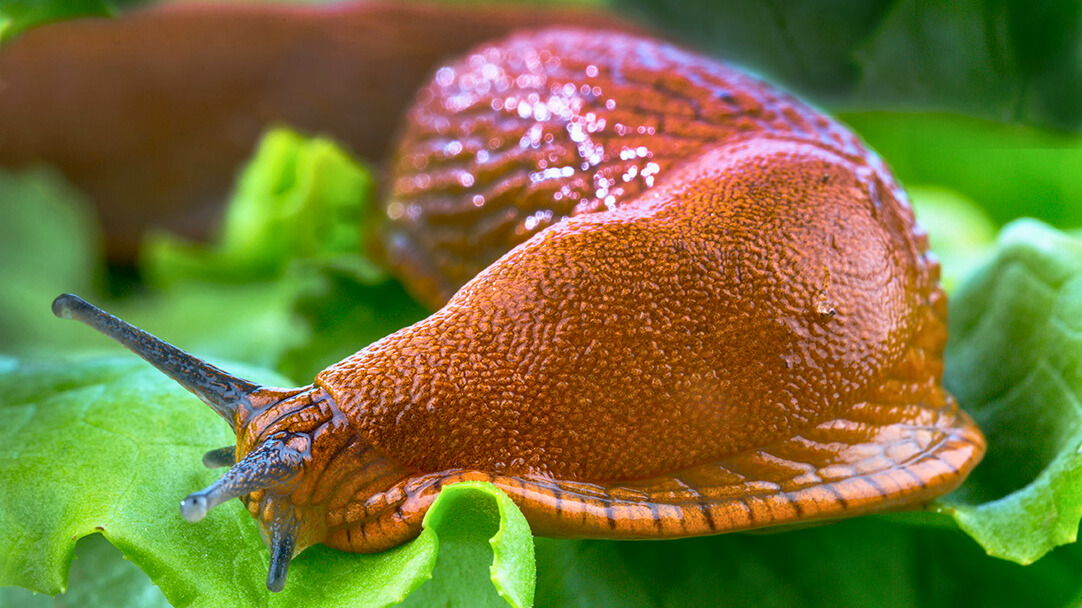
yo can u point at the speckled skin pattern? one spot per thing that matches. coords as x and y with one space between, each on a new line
523 133
713 311
683 326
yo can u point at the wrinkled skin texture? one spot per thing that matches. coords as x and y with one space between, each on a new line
682 306
719 314
523 133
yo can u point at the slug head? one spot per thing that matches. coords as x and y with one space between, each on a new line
275 430
273 455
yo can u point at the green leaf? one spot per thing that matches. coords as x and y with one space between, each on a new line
1015 362
99 576
865 562
465 516
1000 60
253 323
785 42
342 313
1006 61
296 198
83 452
1011 171
17 16
49 243
286 284
960 234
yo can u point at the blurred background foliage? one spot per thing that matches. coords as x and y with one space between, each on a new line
1005 60
977 107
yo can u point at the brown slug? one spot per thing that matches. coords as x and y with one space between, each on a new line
683 303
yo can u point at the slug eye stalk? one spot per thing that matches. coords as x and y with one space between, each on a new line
224 393
276 462
222 457
268 469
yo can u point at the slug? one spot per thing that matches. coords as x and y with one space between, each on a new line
673 301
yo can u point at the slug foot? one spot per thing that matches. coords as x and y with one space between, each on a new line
880 457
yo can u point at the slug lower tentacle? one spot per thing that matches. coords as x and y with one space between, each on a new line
672 301
222 457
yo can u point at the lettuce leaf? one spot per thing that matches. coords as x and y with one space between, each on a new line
298 198
959 233
49 243
868 562
287 283
1015 362
83 452
1002 61
99 576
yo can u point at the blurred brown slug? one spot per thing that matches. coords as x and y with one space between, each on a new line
674 301
151 113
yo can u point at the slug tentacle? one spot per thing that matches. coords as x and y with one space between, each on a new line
275 430
222 457
224 393
272 465
282 543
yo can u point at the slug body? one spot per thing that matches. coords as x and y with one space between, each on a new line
691 305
